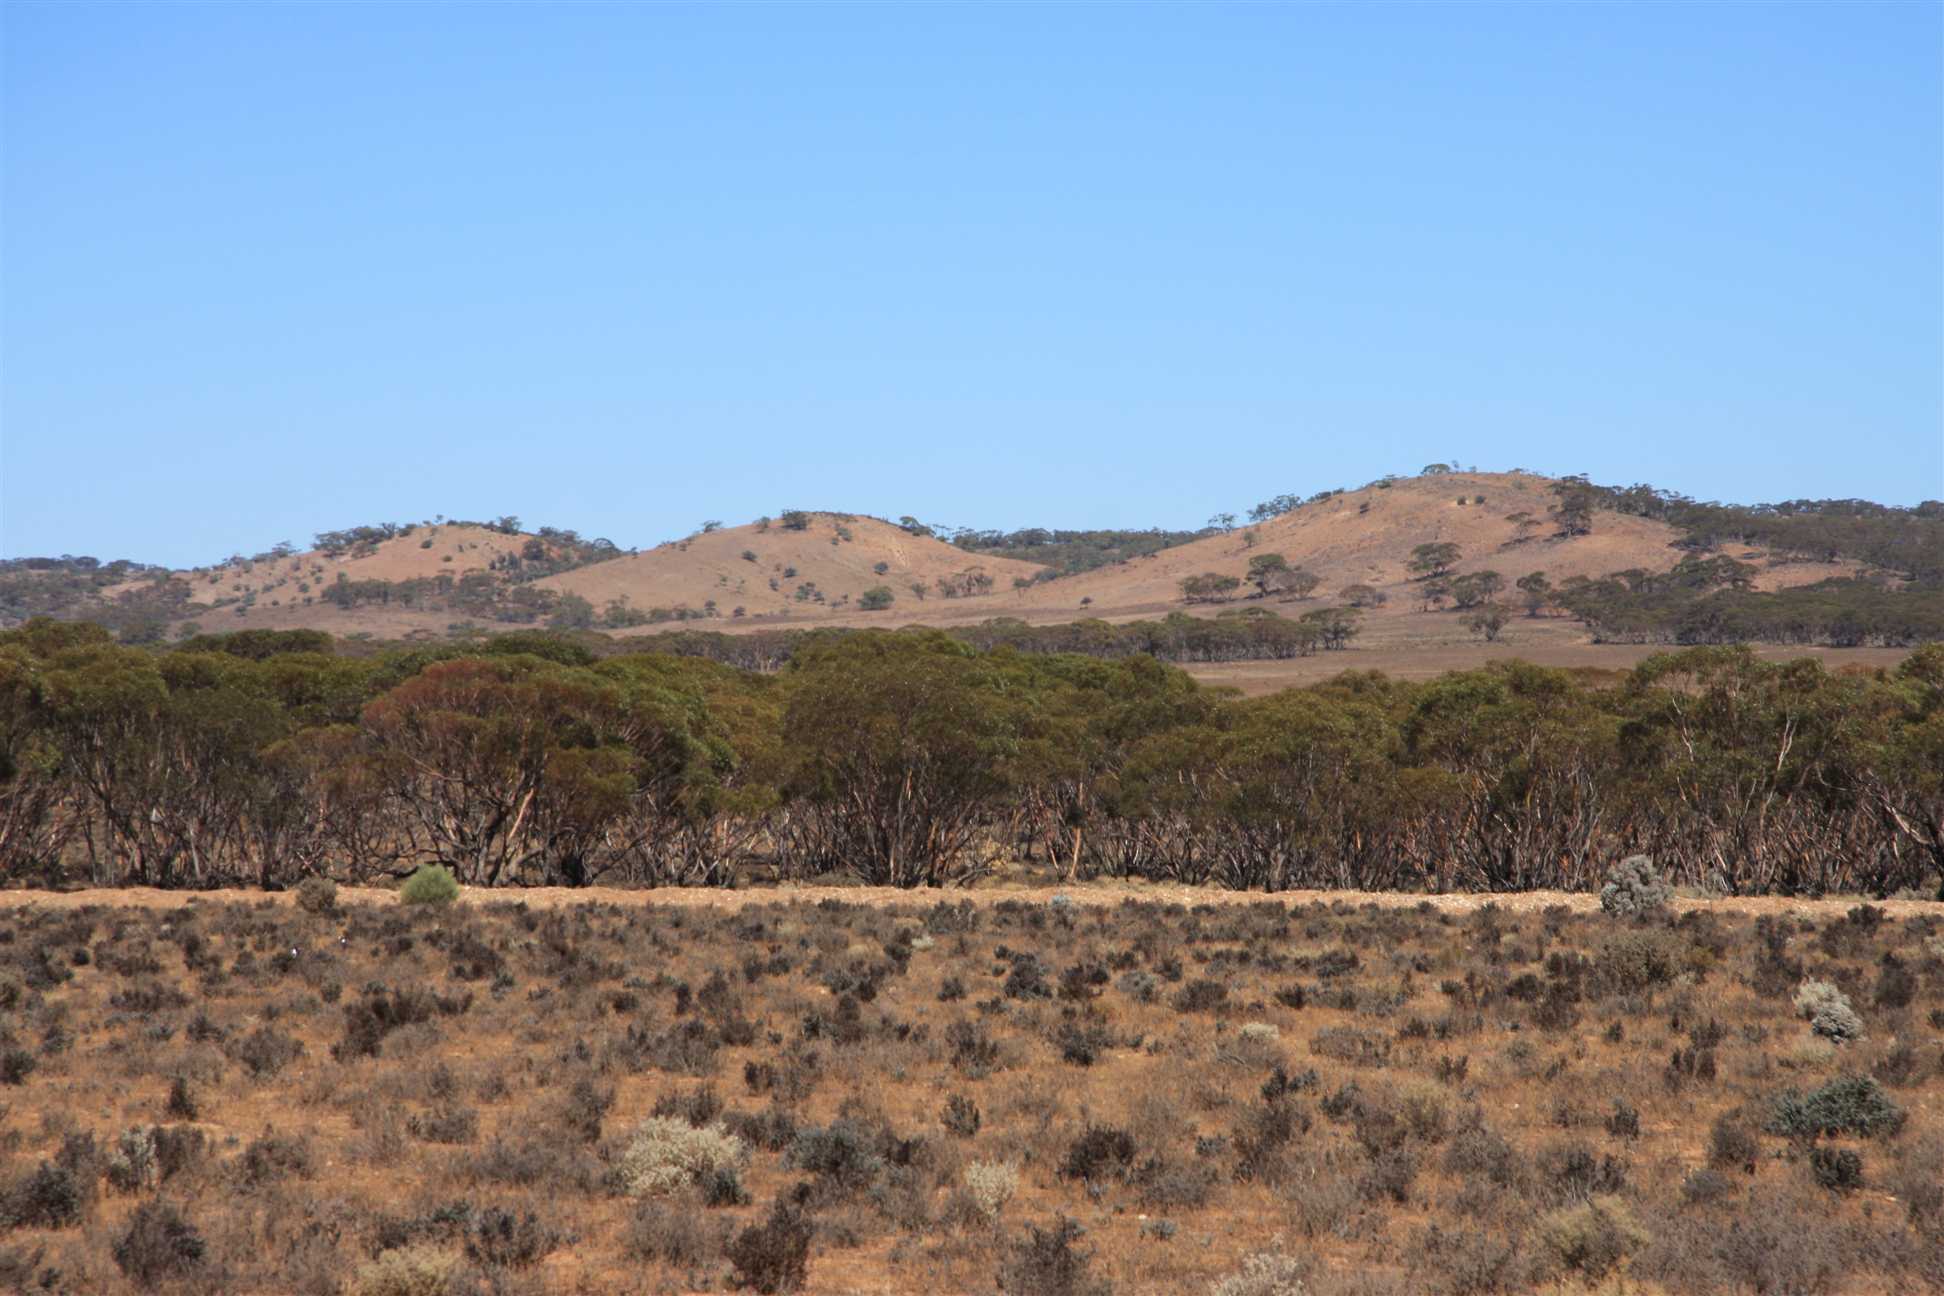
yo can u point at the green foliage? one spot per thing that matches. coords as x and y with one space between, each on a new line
1068 553
921 757
1847 1105
430 884
1209 587
1433 558
876 599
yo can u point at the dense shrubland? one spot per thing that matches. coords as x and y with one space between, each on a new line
912 758
1040 1099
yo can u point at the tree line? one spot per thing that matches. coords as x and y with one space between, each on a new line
914 758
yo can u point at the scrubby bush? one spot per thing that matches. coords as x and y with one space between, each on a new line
317 895
1837 1169
1201 996
1634 889
961 1116
16 1064
51 1197
182 1100
1635 961
665 1155
773 1256
844 1154
132 1166
509 1240
158 1244
1593 1236
1046 1263
264 1052
451 1126
430 884
1846 1105
1828 1011
407 1271
1100 1151
1731 1146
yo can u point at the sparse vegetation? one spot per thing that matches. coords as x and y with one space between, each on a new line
797 1119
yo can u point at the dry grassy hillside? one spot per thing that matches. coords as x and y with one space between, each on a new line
1366 537
819 574
425 553
771 571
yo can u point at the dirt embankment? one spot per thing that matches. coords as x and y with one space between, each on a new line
1087 893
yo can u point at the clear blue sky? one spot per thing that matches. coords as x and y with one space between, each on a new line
275 268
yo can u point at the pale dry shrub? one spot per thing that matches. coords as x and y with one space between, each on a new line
1266 1273
1828 1011
990 1185
666 1155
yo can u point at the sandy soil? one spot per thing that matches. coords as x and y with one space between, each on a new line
1088 893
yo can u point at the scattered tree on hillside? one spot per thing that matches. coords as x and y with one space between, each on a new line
1433 559
1222 522
1363 596
1276 507
794 520
1336 626
1487 621
1537 590
875 599
572 613
912 526
965 584
1263 566
1524 524
1209 587
1573 515
1476 588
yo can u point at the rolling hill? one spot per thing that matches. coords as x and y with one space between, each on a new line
823 568
773 571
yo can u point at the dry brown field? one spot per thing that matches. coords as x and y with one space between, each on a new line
1112 1088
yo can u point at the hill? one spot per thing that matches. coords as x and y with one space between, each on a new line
1502 522
801 565
1622 565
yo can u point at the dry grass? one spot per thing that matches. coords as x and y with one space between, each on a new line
1363 536
1385 1098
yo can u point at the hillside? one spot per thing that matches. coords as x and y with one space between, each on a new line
423 553
771 570
1366 536
809 569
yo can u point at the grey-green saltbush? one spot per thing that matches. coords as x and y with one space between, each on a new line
1634 888
1828 1010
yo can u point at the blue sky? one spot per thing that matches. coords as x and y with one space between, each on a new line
272 269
